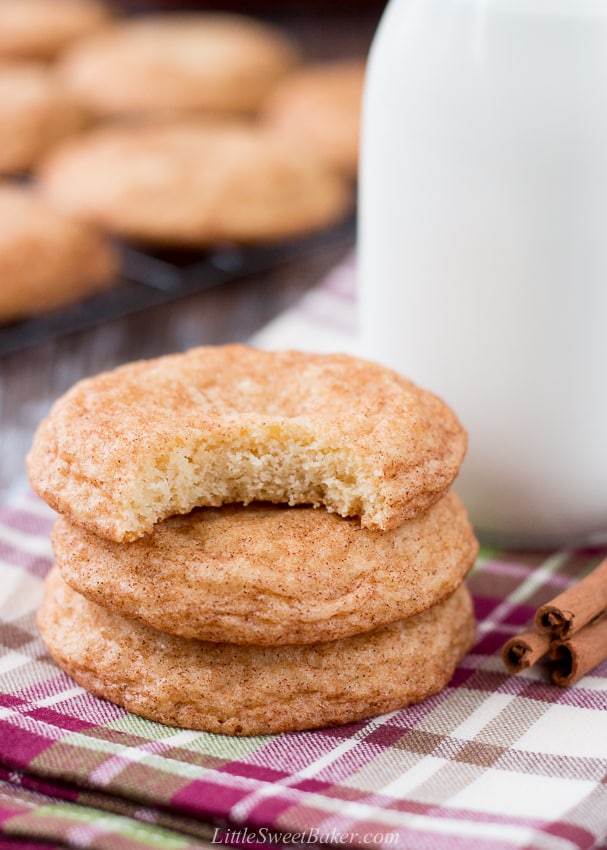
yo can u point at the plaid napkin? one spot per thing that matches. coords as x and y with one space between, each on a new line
493 762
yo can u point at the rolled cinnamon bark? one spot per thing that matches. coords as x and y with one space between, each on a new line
570 611
524 650
577 655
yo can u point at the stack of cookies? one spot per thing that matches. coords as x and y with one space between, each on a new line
254 542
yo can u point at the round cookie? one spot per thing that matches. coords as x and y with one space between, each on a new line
219 424
320 104
269 575
194 184
35 114
176 63
40 29
249 690
46 259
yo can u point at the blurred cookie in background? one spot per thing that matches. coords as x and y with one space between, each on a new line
47 260
179 63
35 114
41 29
320 104
194 184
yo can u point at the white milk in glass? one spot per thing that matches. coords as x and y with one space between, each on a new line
483 245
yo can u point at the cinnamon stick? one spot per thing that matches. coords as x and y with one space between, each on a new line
577 655
570 611
524 650
572 627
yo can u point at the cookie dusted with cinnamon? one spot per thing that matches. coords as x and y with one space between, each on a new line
36 113
217 424
250 690
195 183
41 29
47 260
207 62
320 104
269 574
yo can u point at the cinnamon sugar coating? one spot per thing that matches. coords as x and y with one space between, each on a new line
178 63
195 183
218 424
47 260
254 690
41 29
270 575
321 104
35 115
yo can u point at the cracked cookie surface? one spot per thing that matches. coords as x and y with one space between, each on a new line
218 424
270 575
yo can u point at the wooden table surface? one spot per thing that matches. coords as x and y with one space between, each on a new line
30 380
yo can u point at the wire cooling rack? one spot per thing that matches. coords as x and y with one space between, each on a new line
151 279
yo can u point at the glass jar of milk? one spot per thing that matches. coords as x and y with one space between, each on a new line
483 245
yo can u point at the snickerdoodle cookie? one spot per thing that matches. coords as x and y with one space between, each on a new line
35 114
174 63
40 29
218 424
320 104
250 690
47 260
270 575
194 184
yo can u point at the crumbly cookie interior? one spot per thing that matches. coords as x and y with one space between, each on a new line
252 466
128 448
